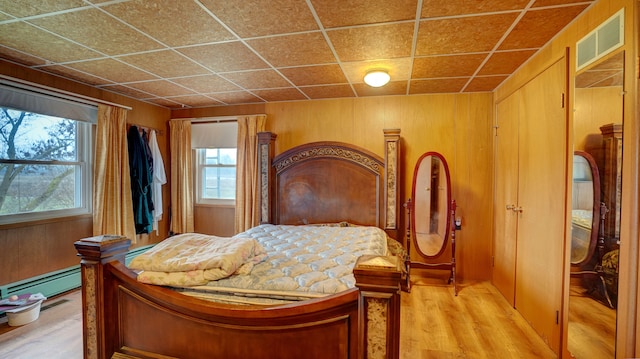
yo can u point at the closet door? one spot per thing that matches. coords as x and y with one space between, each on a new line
506 184
541 198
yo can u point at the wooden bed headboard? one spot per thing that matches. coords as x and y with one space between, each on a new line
329 182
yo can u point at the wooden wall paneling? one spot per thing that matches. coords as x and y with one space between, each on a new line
25 246
447 123
9 259
474 136
215 220
33 250
592 107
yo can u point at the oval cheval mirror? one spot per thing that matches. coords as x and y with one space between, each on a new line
432 215
585 208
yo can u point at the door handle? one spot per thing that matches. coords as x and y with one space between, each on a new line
518 209
511 207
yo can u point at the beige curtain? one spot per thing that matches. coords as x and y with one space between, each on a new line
112 203
181 177
248 171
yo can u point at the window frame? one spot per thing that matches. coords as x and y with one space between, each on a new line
199 156
84 150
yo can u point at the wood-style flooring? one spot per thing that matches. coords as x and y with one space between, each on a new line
478 323
592 326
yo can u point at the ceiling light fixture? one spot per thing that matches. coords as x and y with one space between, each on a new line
377 78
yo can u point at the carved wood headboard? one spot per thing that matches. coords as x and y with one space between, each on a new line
329 182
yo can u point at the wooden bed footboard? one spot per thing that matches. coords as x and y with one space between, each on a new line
123 318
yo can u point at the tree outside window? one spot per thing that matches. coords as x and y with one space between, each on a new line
43 163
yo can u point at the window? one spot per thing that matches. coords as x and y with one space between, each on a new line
214 141
44 166
216 175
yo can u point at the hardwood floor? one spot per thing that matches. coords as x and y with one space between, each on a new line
478 323
57 333
592 326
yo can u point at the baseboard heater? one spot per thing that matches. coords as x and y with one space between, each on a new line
57 282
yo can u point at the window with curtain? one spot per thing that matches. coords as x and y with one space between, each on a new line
214 147
45 156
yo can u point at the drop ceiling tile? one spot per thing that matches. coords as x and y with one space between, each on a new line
98 31
462 35
373 42
484 83
501 63
252 18
235 98
437 85
68 72
544 3
206 84
392 88
288 94
195 100
338 13
164 102
164 21
330 91
127 91
529 34
110 69
32 7
446 66
260 79
165 63
440 8
294 50
398 69
26 38
230 56
20 57
161 88
315 75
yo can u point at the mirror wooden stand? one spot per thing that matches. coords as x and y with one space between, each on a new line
431 217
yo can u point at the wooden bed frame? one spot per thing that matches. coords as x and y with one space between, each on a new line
313 183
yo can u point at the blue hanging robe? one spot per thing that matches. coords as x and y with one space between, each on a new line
141 181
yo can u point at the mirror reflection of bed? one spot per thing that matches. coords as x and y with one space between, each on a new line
585 209
595 213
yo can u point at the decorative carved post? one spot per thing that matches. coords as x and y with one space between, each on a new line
379 279
392 192
94 253
265 155
612 178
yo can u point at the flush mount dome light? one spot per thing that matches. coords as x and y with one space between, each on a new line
376 78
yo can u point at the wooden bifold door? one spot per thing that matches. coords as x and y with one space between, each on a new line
530 203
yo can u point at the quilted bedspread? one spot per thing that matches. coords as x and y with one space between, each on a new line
311 258
194 259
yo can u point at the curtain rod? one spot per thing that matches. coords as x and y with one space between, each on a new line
57 92
159 131
203 120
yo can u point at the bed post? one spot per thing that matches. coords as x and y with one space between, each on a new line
265 155
391 175
95 252
379 280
